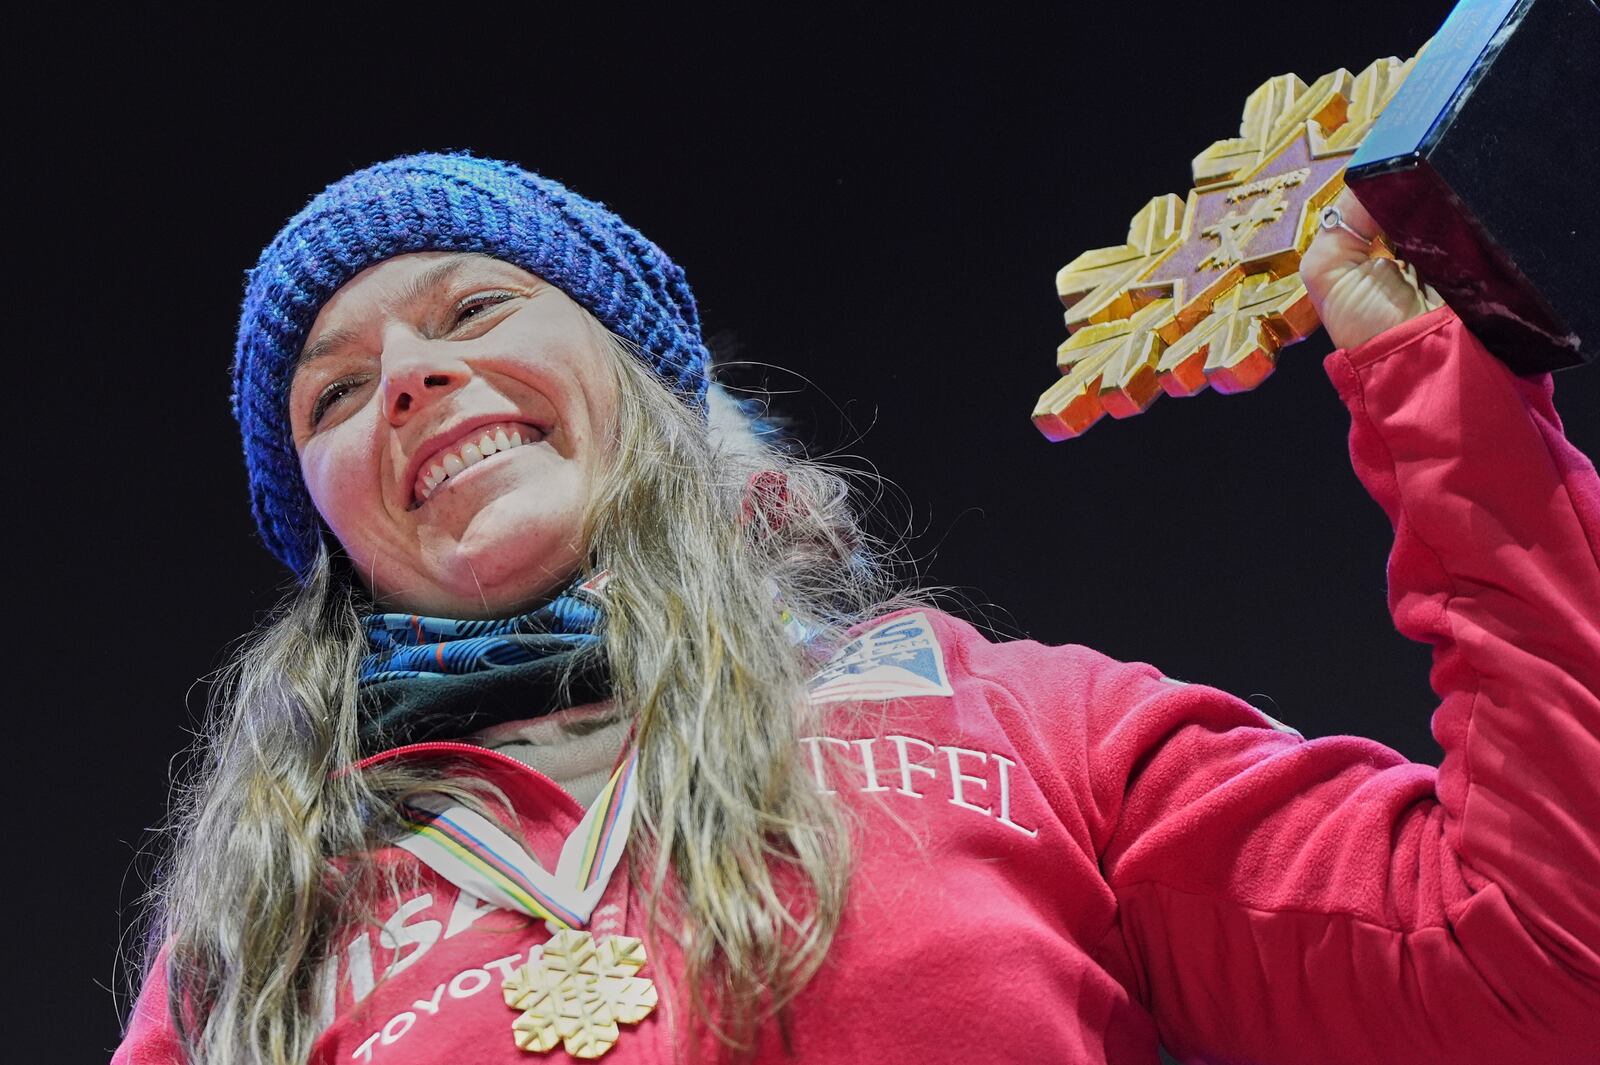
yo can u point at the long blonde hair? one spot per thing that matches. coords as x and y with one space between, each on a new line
743 863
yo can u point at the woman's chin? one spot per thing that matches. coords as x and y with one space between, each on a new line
486 577
482 554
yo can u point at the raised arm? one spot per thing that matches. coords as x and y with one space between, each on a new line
1328 901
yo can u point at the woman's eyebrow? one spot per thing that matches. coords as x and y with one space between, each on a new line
414 291
422 285
329 342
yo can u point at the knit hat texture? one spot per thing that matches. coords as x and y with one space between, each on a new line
437 202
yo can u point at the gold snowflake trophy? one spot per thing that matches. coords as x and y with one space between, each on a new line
1206 289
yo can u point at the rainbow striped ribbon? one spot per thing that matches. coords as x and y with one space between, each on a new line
477 856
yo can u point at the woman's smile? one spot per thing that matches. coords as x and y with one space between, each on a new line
465 449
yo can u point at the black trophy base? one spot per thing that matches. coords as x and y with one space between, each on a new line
1497 204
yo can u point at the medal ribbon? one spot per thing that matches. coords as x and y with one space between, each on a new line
466 848
477 856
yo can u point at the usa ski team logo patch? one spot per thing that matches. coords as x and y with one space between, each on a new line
897 658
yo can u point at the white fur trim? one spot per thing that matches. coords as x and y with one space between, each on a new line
730 427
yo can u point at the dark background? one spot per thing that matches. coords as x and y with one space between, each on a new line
879 206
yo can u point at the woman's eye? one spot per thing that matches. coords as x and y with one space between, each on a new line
335 391
473 305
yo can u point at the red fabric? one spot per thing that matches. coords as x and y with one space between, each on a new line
1068 858
766 495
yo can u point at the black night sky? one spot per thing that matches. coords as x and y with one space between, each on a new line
876 207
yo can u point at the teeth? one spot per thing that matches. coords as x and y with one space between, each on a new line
473 453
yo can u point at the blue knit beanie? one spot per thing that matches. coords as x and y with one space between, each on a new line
437 202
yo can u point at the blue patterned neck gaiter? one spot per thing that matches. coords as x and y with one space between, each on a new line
442 678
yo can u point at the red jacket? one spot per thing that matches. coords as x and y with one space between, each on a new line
1064 858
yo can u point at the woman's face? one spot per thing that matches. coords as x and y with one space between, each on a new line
452 414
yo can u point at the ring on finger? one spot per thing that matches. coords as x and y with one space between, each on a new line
1333 218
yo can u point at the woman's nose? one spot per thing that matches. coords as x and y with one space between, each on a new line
416 373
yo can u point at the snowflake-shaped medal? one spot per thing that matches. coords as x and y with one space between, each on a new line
577 992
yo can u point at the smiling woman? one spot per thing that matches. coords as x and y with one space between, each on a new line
471 430
597 725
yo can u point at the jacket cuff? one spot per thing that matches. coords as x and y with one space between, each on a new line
1391 340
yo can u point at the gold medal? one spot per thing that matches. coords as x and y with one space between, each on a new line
577 992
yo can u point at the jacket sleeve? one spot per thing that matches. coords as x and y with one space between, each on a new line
150 1038
1288 901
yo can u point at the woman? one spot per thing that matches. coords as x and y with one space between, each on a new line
597 727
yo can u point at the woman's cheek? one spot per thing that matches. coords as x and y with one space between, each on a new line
335 483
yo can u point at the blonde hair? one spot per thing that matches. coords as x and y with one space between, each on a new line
744 865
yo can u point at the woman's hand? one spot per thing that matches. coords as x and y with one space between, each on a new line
1357 294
